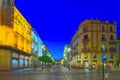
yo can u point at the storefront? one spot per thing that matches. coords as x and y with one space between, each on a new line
26 61
86 64
15 61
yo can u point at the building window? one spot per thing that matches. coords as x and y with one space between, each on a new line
111 37
85 37
103 29
103 37
103 47
119 47
94 55
85 29
111 56
111 29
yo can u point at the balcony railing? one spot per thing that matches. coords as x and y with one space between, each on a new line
112 49
85 49
104 50
2 46
104 39
86 39
112 41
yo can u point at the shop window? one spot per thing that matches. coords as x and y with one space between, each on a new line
21 62
14 63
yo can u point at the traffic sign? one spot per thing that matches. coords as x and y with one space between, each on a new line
104 57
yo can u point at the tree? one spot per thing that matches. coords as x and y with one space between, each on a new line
46 58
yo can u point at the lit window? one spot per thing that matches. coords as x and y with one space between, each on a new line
103 47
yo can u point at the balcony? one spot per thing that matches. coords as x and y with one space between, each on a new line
112 49
7 47
104 50
113 41
85 49
85 40
104 40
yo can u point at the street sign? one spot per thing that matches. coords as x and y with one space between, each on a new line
104 57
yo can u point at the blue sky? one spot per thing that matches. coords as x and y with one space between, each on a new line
56 21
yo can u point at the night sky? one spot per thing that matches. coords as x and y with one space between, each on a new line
56 21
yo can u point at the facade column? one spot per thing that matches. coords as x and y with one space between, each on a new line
90 61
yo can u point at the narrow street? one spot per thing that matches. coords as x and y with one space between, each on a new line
57 72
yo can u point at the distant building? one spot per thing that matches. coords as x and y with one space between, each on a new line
93 39
66 55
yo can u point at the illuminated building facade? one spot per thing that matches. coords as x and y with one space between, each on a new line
36 48
66 55
93 39
15 38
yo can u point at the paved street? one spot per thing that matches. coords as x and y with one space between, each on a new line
58 72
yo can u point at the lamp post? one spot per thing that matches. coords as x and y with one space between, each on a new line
104 57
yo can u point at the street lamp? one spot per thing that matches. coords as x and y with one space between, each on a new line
104 57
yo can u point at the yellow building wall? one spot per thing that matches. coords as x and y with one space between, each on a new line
22 30
5 60
6 35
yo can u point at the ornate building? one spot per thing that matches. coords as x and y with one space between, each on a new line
93 39
15 38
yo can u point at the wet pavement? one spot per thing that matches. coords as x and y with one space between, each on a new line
58 72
